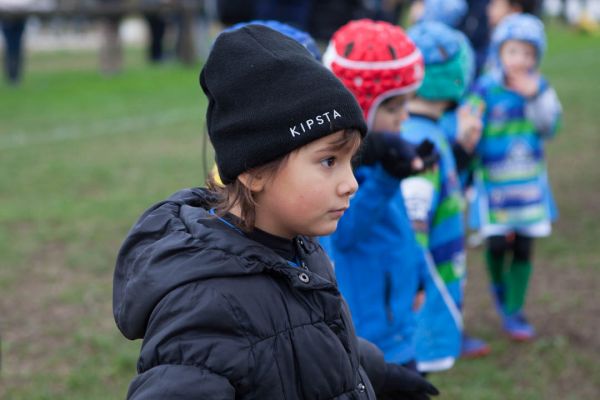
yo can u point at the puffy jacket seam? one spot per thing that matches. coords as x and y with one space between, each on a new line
245 334
288 330
201 367
238 320
337 396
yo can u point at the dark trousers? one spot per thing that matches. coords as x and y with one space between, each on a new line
13 53
521 247
158 27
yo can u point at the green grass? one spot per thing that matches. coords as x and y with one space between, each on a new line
82 155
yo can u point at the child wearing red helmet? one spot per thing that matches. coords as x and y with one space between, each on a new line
379 264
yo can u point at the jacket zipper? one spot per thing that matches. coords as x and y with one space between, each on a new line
299 250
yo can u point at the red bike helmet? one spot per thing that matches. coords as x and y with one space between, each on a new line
375 60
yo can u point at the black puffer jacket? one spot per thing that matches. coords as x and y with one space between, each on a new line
224 317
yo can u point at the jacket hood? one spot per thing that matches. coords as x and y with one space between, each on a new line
175 242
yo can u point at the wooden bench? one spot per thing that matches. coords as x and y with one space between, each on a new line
110 15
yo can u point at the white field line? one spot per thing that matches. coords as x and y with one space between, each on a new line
14 140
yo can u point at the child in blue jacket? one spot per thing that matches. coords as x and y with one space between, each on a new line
434 200
514 203
452 13
377 261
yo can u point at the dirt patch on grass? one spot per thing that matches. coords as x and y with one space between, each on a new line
36 325
562 304
560 300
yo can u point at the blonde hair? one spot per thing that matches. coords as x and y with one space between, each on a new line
236 193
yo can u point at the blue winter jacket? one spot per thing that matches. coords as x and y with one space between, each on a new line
378 264
513 190
435 205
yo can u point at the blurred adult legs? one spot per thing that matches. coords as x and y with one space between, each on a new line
13 54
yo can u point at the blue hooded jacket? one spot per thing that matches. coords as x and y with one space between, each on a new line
379 264
434 201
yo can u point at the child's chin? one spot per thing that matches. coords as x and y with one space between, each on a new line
327 230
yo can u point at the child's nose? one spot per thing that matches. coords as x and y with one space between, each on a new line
404 114
348 185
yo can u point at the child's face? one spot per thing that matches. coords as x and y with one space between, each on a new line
497 10
416 11
518 57
310 192
390 114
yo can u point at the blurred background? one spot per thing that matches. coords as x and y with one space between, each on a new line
101 115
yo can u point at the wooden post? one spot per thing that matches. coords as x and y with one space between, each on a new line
186 50
111 50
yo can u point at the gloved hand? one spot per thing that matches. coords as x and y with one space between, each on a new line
427 152
395 154
401 383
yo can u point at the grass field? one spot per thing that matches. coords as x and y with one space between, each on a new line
82 155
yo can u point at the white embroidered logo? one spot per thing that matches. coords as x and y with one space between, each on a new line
320 119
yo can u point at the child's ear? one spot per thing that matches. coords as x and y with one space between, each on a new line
253 181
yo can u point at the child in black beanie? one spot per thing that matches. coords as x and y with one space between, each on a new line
232 296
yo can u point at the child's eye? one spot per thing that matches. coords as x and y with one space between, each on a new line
328 162
391 108
395 108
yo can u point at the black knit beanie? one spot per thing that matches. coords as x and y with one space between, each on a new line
268 96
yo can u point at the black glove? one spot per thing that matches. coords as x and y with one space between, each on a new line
394 153
401 383
427 152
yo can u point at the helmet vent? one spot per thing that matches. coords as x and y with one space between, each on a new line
349 48
392 51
